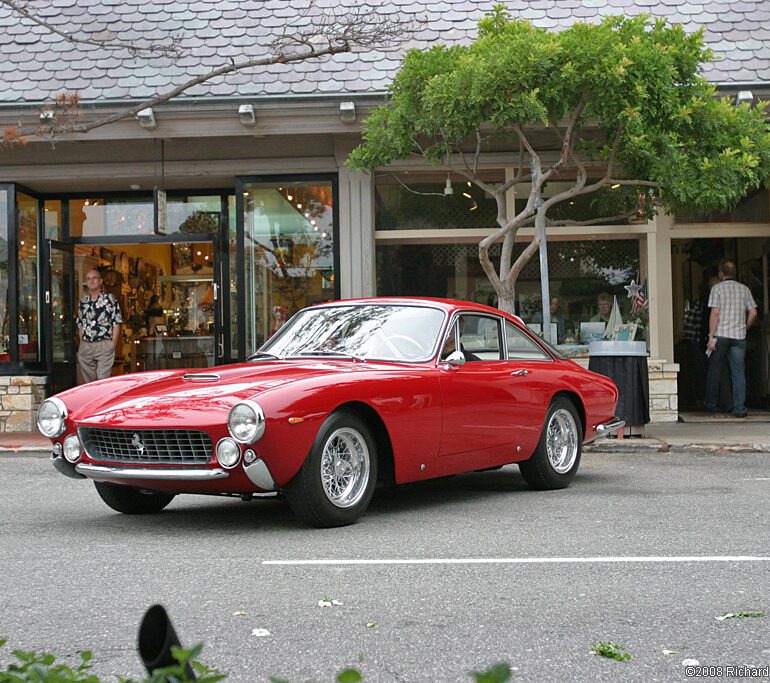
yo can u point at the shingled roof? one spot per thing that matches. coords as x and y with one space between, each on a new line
36 63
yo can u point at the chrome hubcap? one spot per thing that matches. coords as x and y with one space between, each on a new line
345 467
562 441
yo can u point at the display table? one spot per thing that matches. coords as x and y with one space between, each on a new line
168 353
626 364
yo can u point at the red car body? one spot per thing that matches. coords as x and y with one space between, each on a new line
427 418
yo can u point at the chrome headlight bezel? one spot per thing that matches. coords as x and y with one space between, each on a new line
230 443
65 446
246 422
58 404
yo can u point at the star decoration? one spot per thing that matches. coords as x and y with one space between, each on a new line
633 289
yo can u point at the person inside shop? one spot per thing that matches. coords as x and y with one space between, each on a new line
604 304
154 315
556 317
733 310
693 353
98 321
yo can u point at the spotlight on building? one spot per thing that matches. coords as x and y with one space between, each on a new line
744 97
246 115
146 118
47 116
347 112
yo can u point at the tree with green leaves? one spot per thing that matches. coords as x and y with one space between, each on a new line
620 105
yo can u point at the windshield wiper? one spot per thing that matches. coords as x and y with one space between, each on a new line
338 354
262 354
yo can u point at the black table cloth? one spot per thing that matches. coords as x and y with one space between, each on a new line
632 379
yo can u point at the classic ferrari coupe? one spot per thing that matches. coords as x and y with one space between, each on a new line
346 395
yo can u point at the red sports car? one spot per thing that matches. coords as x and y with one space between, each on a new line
347 394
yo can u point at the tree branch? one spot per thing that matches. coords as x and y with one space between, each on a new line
595 221
328 34
171 49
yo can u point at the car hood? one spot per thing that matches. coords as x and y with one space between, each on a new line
194 397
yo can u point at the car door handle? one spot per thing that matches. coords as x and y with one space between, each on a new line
520 373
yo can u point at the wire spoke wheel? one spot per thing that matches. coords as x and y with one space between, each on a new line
562 441
345 464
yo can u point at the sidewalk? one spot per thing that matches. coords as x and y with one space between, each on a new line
716 435
723 436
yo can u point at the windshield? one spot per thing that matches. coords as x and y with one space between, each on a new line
398 333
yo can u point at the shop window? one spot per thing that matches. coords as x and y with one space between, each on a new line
584 275
754 208
418 201
194 214
52 217
100 217
27 278
232 250
127 216
5 198
289 235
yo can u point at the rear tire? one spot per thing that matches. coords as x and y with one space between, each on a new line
556 459
336 482
131 501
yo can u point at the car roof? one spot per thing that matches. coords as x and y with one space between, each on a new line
448 305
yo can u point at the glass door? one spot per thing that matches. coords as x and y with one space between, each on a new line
59 307
176 322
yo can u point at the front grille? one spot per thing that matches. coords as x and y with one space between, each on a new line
143 446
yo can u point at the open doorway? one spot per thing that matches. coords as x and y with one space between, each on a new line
168 297
694 263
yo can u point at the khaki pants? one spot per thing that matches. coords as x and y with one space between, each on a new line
95 359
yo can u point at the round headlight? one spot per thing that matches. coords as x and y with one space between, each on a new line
246 422
72 449
228 453
50 417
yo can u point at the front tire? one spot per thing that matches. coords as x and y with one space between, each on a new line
336 482
556 459
131 501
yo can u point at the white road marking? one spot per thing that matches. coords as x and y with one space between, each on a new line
531 560
757 479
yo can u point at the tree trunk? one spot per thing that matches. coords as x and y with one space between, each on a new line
506 301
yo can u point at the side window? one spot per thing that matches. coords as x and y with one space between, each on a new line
480 337
521 347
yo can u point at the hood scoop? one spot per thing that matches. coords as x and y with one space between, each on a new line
201 377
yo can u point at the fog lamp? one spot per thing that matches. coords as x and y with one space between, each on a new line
228 452
72 449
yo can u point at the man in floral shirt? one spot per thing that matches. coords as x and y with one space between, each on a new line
99 323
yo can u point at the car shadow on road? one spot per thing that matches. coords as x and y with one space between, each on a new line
205 514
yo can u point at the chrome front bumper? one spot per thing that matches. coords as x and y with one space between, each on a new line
609 427
111 473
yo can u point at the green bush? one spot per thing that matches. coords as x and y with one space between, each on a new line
33 667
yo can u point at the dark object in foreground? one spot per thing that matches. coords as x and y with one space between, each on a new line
156 638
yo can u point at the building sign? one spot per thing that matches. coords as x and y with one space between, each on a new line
161 211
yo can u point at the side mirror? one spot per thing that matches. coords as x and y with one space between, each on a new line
455 359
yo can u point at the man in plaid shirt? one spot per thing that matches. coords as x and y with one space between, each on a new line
733 310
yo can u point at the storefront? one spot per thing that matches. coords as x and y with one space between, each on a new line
225 271
233 264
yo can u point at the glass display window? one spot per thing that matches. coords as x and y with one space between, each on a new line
289 249
586 278
27 278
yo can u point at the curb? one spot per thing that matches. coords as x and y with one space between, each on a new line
27 451
627 445
631 445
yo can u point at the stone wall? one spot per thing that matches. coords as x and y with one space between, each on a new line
664 405
664 402
19 400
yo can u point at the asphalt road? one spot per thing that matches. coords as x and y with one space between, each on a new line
75 575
